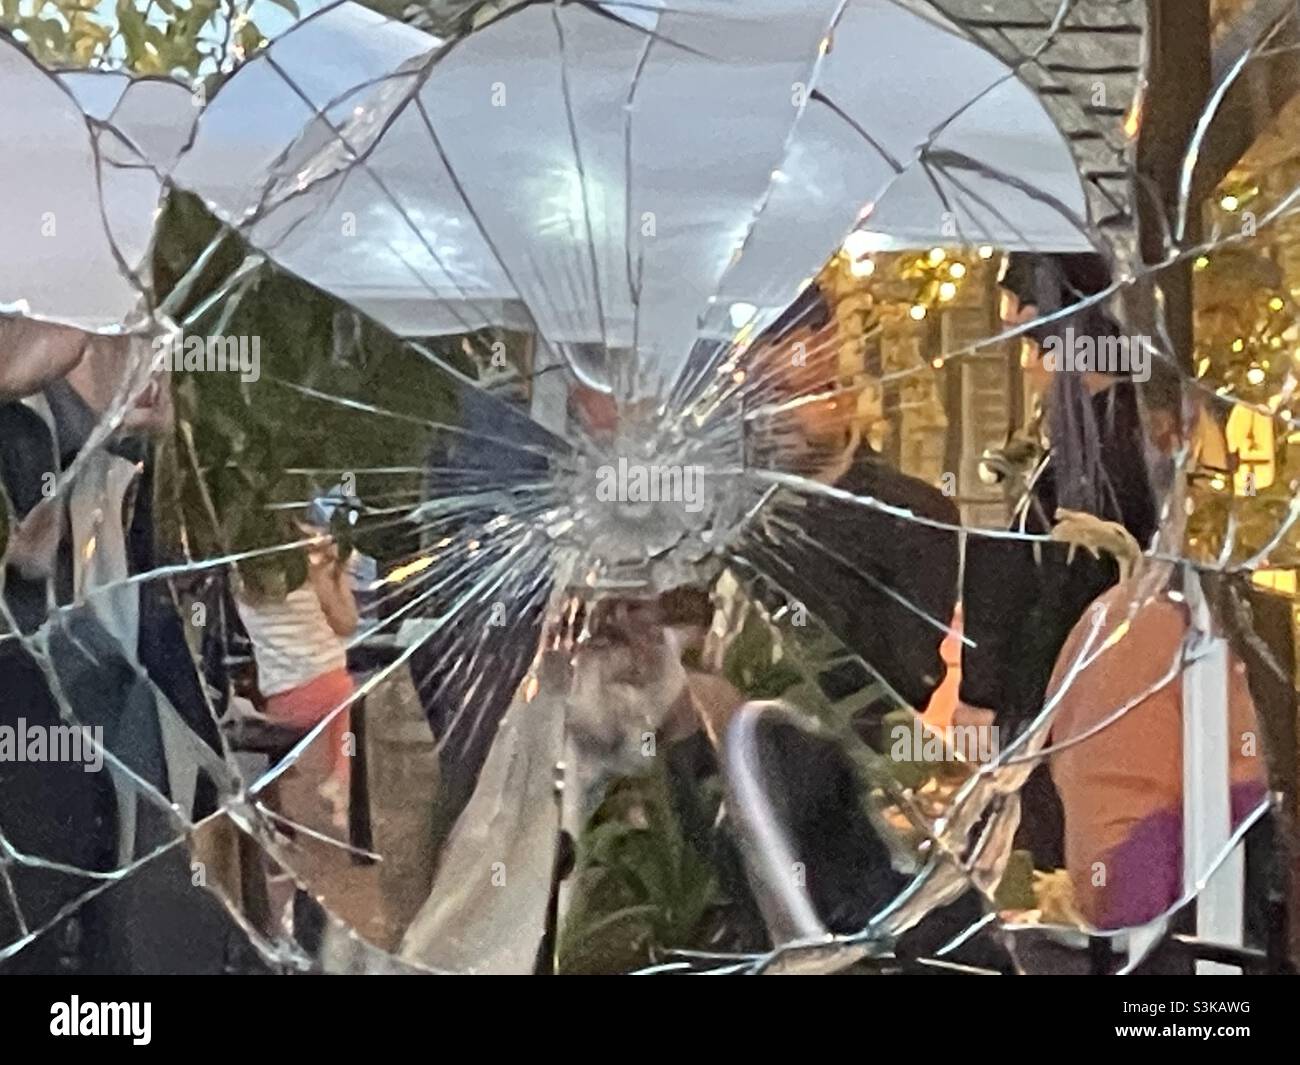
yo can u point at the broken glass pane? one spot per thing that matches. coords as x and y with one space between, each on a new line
606 487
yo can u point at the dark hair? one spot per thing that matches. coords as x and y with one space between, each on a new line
1051 282
1055 282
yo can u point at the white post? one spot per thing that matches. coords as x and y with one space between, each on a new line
1207 807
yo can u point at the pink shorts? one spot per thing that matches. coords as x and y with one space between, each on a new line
307 705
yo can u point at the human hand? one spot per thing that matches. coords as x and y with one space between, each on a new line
965 714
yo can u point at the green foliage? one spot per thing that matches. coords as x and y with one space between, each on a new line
1015 890
641 888
239 442
751 666
186 38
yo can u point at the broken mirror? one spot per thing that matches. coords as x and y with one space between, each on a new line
608 487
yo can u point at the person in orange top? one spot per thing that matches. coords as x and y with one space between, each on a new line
1122 787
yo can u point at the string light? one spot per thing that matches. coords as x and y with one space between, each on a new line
857 244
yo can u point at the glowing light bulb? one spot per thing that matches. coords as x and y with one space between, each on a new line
957 270
947 291
857 244
862 267
1238 345
1275 304
1255 375
986 251
937 255
1202 262
917 312
1230 202
741 313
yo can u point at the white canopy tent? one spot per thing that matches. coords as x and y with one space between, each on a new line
86 154
624 185
604 181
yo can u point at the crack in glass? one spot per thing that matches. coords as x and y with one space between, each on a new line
608 487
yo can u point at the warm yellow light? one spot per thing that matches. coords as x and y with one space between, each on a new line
937 255
1249 435
1255 375
1279 580
1238 345
1201 263
1133 119
957 270
1218 484
986 251
917 312
937 362
947 291
862 267
400 573
1230 202
1275 304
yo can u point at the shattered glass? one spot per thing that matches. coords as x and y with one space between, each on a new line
583 487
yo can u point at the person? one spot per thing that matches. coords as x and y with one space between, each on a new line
1120 778
119 652
302 673
884 583
881 576
1021 599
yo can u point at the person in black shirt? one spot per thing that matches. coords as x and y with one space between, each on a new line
1021 599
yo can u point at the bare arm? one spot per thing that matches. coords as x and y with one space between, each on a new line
329 577
32 354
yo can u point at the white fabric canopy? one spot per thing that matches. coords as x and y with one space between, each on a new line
609 181
616 187
76 223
